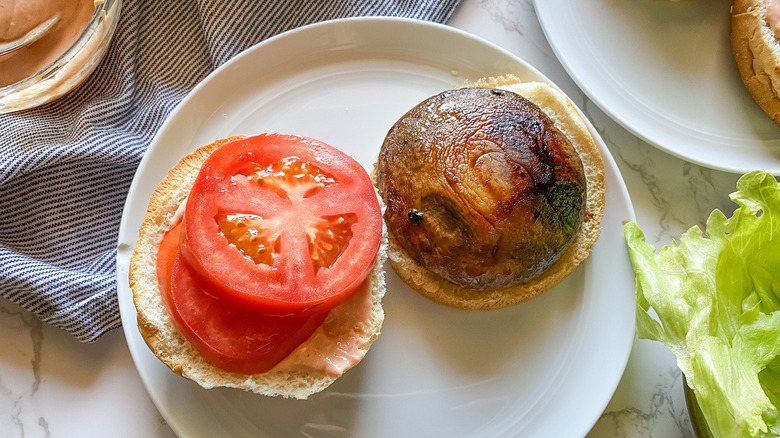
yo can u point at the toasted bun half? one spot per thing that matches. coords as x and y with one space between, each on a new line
566 119
757 54
290 378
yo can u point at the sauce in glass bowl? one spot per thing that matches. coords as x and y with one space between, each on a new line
62 57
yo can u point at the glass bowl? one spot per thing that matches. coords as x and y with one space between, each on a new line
71 68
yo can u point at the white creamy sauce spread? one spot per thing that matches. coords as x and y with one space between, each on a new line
334 348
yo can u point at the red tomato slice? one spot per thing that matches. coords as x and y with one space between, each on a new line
282 224
166 258
232 339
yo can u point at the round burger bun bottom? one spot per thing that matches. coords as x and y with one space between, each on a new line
169 344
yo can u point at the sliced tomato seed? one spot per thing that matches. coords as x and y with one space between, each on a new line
256 238
291 178
328 237
259 239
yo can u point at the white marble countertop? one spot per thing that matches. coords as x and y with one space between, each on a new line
52 385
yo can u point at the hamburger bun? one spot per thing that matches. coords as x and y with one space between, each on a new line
757 54
289 378
474 296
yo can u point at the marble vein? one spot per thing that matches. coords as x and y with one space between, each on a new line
17 394
662 417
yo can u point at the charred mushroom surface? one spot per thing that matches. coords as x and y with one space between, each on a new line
480 187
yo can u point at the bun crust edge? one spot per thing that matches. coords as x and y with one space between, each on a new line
757 54
169 344
567 119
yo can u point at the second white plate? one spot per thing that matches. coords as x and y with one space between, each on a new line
544 368
665 71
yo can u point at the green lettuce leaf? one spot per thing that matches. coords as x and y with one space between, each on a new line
714 301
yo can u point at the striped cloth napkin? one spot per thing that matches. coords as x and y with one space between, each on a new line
65 168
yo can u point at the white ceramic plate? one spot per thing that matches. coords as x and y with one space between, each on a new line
665 71
544 368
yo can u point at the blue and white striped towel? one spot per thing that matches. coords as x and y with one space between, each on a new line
65 168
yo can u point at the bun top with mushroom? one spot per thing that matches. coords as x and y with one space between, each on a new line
492 197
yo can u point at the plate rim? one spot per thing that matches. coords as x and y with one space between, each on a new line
544 12
123 261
